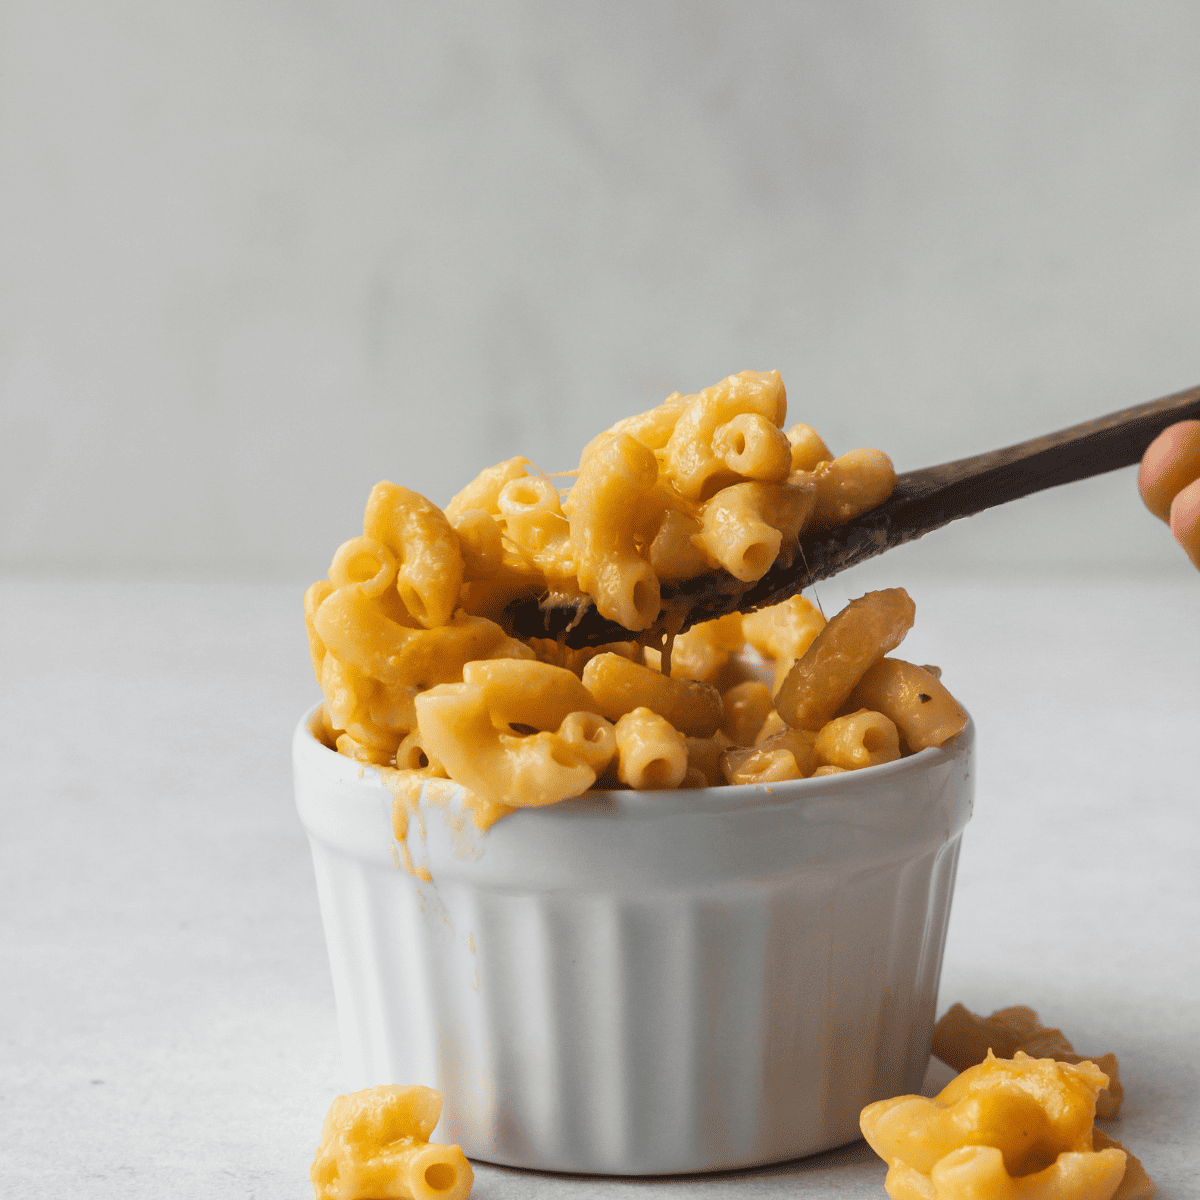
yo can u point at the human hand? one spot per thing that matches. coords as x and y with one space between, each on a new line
1169 481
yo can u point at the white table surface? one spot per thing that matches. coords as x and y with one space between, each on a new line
166 1014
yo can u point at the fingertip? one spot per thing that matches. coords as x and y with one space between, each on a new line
1185 520
1171 461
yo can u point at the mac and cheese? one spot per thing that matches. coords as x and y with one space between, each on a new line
1006 1128
375 1143
410 641
961 1039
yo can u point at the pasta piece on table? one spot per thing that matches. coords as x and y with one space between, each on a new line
1135 1183
961 1039
375 1144
1018 1129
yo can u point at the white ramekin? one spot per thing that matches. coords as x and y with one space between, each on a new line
643 983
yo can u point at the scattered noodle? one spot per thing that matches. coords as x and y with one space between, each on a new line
1005 1128
375 1143
961 1039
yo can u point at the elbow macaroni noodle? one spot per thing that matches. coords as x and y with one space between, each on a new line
961 1040
376 1143
421 677
1012 1129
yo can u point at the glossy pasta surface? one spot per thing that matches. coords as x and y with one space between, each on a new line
411 645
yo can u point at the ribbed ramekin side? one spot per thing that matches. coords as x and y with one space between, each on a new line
549 1025
503 1027
919 915
848 1002
600 1011
928 971
887 936
335 894
735 1012
380 959
649 1034
579 1050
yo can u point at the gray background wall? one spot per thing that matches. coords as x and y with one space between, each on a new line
256 255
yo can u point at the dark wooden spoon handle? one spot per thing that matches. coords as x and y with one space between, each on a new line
922 501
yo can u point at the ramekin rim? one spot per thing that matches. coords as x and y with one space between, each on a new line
658 804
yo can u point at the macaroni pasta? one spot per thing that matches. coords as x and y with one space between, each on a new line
376 1143
410 643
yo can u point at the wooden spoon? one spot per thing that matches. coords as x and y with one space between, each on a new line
922 501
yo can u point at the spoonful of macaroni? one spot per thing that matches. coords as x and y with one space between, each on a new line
723 483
